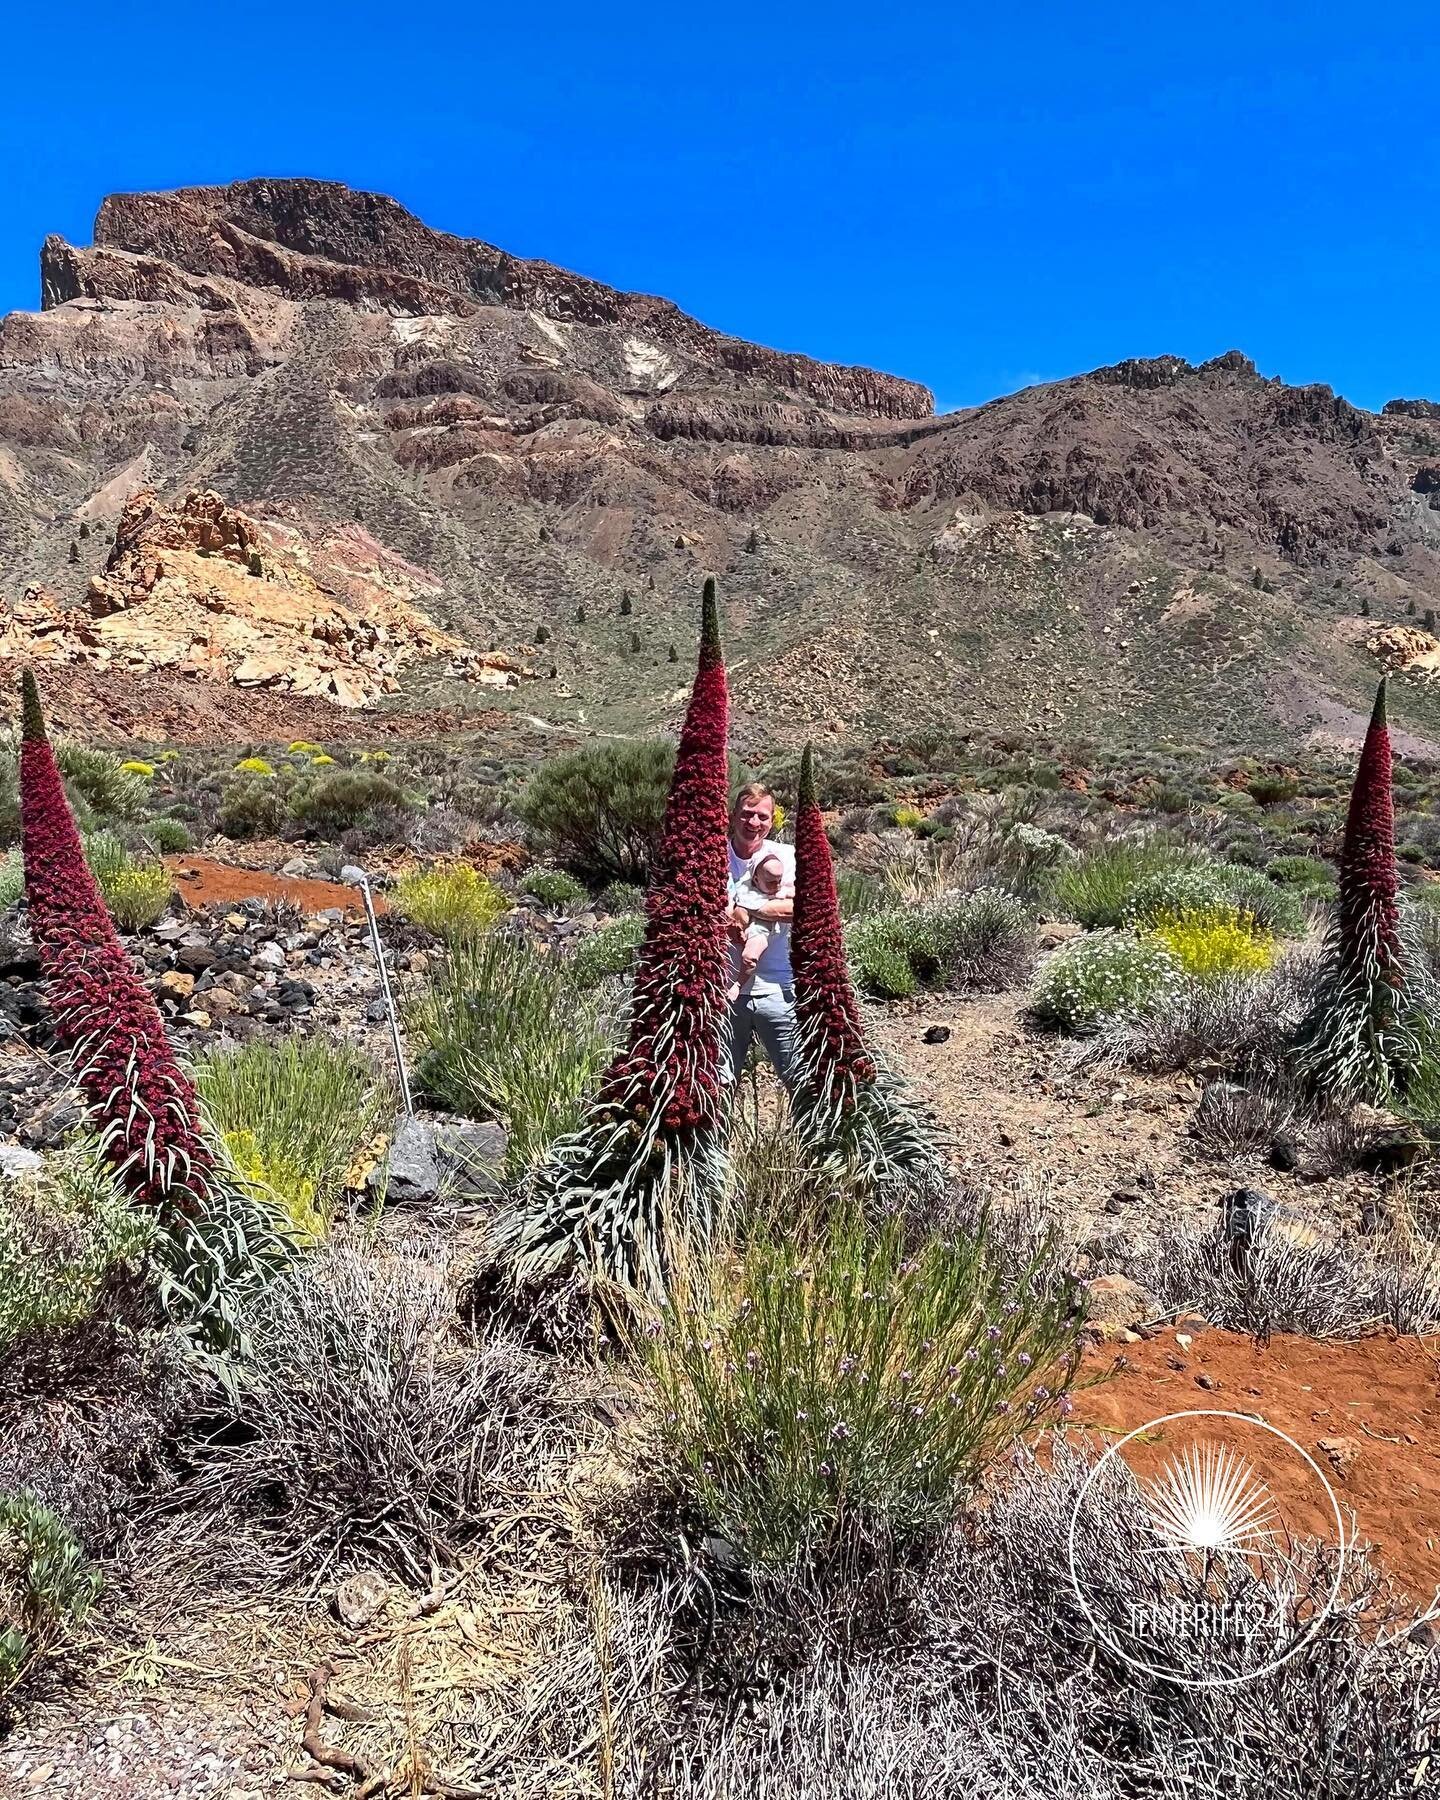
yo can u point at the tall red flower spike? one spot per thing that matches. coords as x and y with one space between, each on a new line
1367 912
854 1120
647 1162
1363 1041
105 1017
826 1011
678 1001
213 1236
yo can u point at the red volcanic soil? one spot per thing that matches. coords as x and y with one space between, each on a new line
1367 1411
202 882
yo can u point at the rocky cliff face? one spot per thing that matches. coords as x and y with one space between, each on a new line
554 463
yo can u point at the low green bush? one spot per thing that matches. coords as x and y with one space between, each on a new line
599 810
833 1397
504 1035
62 1231
295 1116
981 941
1308 874
453 900
622 897
1212 887
859 894
1095 887
1272 789
108 789
608 953
46 1583
1104 975
137 891
345 799
12 880
251 806
553 887
169 836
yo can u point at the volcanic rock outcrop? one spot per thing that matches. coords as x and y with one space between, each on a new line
523 458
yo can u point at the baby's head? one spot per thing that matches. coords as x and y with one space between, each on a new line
767 875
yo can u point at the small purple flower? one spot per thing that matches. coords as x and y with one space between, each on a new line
752 1359
653 1328
993 1333
847 1363
1065 1405
1042 1393
907 1376
1002 1406
1024 1359
840 1431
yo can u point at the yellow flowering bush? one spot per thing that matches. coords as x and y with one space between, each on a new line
908 817
135 767
457 903
1215 942
253 765
303 747
321 761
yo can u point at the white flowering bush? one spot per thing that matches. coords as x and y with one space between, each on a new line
1103 976
839 1396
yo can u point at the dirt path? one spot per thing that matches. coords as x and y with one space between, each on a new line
202 881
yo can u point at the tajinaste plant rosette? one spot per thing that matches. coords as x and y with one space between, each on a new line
647 1163
854 1120
214 1237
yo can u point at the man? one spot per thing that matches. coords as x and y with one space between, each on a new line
765 1007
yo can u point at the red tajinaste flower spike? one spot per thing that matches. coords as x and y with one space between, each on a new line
138 1097
1367 911
677 1005
1367 1037
647 1161
853 1119
826 1010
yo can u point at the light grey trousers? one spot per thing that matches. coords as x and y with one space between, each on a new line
769 1017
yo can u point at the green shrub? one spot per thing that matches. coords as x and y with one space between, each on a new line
553 887
878 948
598 810
108 788
1210 887
345 800
1306 873
12 880
835 1399
455 901
1272 790
1095 887
45 1582
1105 975
608 953
9 790
250 807
859 894
505 1035
137 892
169 836
62 1231
622 897
295 1116
981 941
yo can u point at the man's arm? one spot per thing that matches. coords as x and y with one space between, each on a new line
778 911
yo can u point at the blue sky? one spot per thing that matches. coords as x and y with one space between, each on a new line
972 201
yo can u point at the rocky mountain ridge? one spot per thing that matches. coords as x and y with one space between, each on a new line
1156 545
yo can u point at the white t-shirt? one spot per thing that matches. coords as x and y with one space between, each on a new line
773 970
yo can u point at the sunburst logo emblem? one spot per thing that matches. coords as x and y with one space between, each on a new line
1210 1499
1206 1569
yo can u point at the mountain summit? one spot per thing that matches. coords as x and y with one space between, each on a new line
547 465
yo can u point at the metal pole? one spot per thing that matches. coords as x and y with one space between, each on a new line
389 998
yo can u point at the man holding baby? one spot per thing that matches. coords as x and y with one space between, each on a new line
762 901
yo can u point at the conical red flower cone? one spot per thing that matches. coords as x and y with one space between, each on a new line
827 1012
1367 912
678 999
853 1120
136 1093
647 1162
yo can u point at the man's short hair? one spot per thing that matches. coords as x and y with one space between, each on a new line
752 791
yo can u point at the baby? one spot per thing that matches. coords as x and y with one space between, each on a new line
761 884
